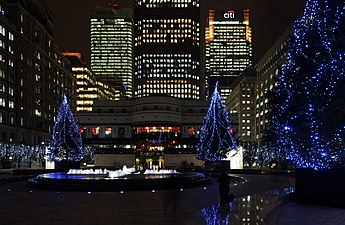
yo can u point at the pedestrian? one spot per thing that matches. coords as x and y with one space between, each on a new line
224 186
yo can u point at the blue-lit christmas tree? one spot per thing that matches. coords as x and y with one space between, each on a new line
65 142
216 139
309 108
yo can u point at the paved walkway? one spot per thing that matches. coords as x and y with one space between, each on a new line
22 205
299 214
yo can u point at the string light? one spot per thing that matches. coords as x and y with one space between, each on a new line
65 142
216 139
310 89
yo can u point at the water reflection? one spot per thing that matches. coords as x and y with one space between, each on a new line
248 210
217 214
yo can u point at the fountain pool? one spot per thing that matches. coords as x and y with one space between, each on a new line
126 179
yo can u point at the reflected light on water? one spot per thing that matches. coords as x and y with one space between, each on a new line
244 210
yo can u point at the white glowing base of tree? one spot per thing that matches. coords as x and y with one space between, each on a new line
163 171
117 173
236 158
50 165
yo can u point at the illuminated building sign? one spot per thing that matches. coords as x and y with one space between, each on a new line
150 154
229 14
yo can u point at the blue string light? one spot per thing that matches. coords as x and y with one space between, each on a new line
310 86
65 142
216 139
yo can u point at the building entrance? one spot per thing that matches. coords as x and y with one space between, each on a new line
153 160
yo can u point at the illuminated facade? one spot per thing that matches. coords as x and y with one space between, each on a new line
241 101
268 68
34 74
167 48
88 89
112 47
154 131
228 48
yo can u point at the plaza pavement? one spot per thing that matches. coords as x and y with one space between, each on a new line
21 204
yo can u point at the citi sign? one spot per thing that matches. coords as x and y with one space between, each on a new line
229 14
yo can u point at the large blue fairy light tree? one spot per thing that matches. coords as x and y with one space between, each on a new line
216 138
309 107
65 142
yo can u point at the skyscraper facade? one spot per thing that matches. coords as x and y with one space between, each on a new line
112 47
88 88
34 74
228 48
167 48
268 68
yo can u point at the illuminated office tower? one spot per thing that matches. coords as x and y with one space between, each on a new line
228 47
112 47
88 88
167 48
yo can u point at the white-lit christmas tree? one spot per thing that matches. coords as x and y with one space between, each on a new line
65 142
309 108
216 139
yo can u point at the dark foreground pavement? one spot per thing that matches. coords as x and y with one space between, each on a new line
21 204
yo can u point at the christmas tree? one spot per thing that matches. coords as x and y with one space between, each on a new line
216 139
309 107
65 142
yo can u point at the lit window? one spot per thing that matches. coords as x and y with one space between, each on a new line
95 130
191 132
108 131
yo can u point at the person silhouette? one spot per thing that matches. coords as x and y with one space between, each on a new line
224 187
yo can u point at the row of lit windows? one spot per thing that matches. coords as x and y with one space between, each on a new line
189 76
3 103
171 31
167 91
226 51
225 63
3 33
11 119
167 81
171 5
165 25
155 129
160 21
113 22
177 67
240 28
95 131
100 64
185 86
173 36
174 56
223 49
192 96
166 1
111 34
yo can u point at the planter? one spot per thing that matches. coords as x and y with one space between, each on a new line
326 187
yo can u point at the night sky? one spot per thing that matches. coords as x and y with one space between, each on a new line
268 19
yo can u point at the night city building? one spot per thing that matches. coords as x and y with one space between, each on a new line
34 75
241 101
112 47
167 48
268 68
88 88
228 48
156 131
